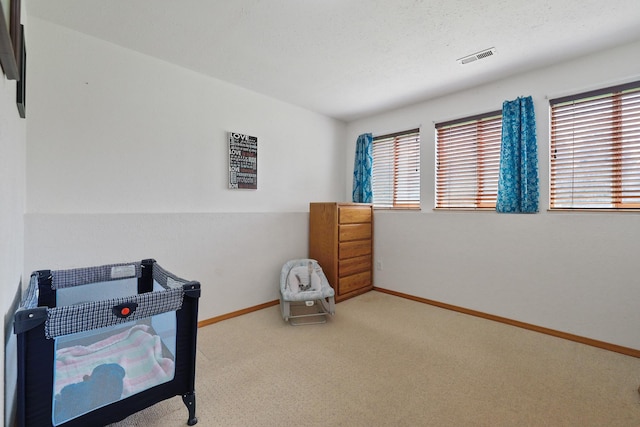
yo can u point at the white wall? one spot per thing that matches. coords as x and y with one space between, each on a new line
127 159
572 272
12 199
12 190
111 130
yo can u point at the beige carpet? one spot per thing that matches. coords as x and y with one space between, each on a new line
387 361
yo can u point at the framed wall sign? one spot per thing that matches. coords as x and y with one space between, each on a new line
243 161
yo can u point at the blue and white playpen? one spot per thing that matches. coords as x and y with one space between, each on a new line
98 344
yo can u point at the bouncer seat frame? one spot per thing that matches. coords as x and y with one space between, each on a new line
305 292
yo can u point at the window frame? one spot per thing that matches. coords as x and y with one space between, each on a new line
405 184
611 119
482 199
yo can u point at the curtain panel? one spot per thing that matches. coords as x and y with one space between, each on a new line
518 184
362 169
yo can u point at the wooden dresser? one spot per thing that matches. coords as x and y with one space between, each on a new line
341 240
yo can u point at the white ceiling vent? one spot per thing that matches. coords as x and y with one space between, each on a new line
478 55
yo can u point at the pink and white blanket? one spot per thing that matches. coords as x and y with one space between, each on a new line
137 350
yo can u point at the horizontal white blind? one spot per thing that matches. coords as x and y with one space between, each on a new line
468 161
595 150
396 170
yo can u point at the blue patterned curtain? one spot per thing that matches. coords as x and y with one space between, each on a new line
518 178
362 169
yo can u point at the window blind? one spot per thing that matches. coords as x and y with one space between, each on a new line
468 161
396 170
595 150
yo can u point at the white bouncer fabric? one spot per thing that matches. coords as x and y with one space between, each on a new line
302 280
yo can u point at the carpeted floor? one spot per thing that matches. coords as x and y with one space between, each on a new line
387 361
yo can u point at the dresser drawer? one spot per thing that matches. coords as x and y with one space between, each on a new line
350 266
354 232
354 249
354 214
354 282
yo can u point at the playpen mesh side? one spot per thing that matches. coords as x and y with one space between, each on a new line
30 299
81 276
62 279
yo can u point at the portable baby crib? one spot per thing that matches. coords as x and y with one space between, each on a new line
98 344
305 292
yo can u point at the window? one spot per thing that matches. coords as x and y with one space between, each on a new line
595 149
468 161
396 170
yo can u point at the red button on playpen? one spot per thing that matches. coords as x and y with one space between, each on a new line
124 310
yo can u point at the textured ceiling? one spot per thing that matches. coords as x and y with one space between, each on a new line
351 58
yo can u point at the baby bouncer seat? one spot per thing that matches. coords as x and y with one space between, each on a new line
305 292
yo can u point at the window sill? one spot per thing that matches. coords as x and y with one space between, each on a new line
382 208
593 210
464 209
